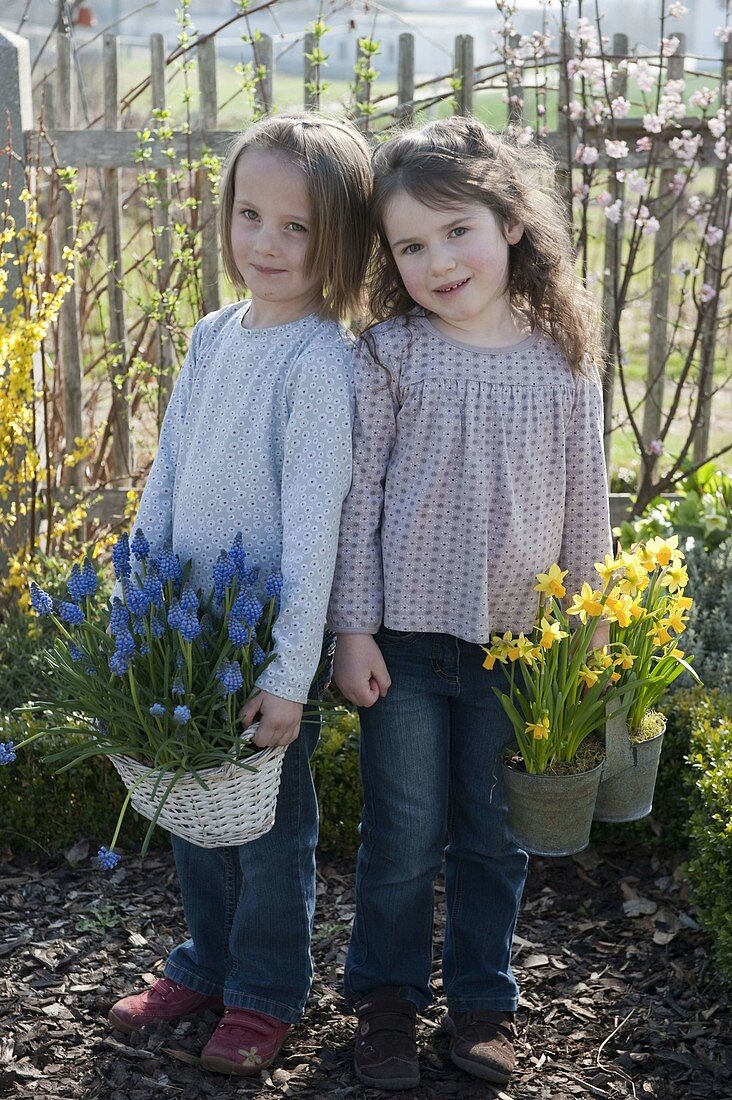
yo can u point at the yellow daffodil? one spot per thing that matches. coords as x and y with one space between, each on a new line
519 648
539 730
661 637
586 602
675 577
607 567
619 609
674 621
550 584
664 551
677 653
614 677
550 633
625 659
588 676
635 575
681 603
601 659
489 661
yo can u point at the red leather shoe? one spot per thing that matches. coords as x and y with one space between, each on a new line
244 1042
165 1000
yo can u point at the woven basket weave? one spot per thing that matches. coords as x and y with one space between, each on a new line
238 806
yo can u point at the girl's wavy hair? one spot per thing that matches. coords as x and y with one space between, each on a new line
458 160
336 162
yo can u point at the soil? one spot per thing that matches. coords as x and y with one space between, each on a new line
620 993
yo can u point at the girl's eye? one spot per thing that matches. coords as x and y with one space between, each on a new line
459 231
297 227
411 249
250 215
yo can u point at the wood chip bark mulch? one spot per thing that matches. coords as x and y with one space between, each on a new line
620 996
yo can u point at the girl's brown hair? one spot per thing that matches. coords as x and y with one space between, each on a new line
458 160
335 160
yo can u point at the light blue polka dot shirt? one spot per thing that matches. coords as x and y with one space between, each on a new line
257 439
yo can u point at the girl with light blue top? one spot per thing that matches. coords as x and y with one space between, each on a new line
257 439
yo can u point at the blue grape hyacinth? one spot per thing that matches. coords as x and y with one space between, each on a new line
181 715
121 557
140 547
71 613
157 710
107 859
41 602
230 677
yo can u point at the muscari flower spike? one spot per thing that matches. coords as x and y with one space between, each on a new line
230 677
121 557
125 643
258 654
181 715
89 577
119 617
237 553
41 602
71 613
247 607
152 587
157 627
76 653
107 859
188 598
140 547
169 567
136 598
8 754
223 575
238 632
157 710
190 627
175 616
273 584
118 663
75 585
178 687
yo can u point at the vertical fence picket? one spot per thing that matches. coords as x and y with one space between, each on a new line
310 73
564 124
405 80
658 350
264 73
120 413
161 224
611 265
715 258
64 109
515 89
207 209
464 74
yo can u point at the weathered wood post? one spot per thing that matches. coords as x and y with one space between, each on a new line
207 210
163 237
405 80
16 118
464 74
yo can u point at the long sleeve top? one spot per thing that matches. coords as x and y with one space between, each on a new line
257 439
473 470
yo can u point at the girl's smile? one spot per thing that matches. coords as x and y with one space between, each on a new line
270 224
454 262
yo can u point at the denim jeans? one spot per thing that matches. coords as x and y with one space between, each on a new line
249 908
431 771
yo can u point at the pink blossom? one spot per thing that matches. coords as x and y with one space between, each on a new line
643 76
720 149
702 98
604 198
644 145
669 46
651 226
587 155
620 107
723 33
576 110
713 235
652 124
616 149
614 212
717 124
637 183
655 447
707 293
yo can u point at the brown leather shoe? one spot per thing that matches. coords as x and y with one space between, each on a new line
482 1043
386 1043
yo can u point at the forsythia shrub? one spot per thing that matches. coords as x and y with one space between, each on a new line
337 781
710 866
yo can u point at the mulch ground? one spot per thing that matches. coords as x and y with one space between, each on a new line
620 996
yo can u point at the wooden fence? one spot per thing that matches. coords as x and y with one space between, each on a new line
108 148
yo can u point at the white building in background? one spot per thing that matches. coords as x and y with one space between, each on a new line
434 23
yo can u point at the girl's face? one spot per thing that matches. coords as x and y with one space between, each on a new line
453 261
271 220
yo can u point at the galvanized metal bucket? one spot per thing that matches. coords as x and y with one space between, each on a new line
551 815
629 774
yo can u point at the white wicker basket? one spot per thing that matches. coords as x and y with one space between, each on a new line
238 806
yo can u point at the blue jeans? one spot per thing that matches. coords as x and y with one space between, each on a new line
430 765
249 908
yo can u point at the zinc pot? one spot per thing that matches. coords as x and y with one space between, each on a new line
551 815
629 774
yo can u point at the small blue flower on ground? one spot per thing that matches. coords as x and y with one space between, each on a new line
107 859
70 613
121 557
157 710
40 600
230 677
119 663
76 653
181 715
7 752
178 687
140 546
